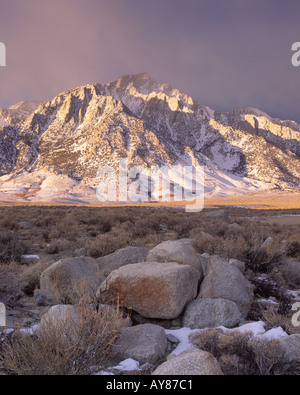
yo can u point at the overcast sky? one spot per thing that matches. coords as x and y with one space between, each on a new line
224 53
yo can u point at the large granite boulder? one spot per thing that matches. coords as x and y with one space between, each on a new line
191 363
152 289
71 278
180 251
122 257
143 343
225 281
211 313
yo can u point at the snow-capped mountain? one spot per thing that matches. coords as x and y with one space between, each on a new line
53 153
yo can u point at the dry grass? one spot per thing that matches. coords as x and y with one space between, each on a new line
62 230
291 275
9 222
246 242
29 277
274 319
64 345
107 244
58 246
11 247
293 248
9 276
238 354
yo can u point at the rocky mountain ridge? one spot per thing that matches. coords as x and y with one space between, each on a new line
53 153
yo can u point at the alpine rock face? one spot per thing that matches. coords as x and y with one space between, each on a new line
52 151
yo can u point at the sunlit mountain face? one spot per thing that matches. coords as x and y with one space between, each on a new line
52 151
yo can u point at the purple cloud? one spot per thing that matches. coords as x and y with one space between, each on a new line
225 54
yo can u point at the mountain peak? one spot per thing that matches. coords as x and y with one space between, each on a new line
142 77
142 82
65 141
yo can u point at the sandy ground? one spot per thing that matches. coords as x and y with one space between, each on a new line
263 200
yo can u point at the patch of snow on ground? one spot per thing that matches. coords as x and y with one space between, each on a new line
268 301
183 336
24 331
295 295
30 331
103 373
256 328
6 332
129 365
275 333
30 257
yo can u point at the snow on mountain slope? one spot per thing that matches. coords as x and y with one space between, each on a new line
54 153
3 122
18 112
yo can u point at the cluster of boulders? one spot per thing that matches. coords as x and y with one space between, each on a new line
170 281
169 286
